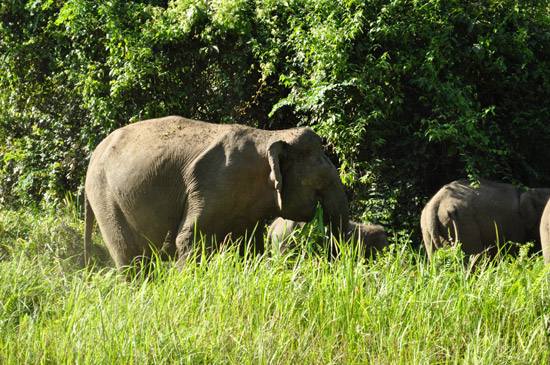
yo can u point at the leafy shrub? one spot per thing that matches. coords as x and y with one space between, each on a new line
408 94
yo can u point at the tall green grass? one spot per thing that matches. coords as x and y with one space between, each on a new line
285 308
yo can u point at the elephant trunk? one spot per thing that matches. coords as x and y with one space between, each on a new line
335 208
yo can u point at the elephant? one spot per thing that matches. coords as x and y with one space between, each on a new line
154 185
545 233
373 237
481 217
280 230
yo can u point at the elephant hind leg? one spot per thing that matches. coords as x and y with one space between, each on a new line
438 228
428 242
469 236
121 240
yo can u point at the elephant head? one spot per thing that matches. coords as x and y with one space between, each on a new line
302 175
531 205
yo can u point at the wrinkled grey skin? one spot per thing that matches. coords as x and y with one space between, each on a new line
545 233
371 236
150 182
473 213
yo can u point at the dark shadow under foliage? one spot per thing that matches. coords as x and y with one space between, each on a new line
408 95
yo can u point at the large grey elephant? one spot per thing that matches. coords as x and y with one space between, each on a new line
480 217
545 233
372 237
154 184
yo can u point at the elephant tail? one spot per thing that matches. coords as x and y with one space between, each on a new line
89 218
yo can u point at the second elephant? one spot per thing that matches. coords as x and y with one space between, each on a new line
480 217
373 238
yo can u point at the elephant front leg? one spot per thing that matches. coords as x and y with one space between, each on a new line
184 245
192 242
253 240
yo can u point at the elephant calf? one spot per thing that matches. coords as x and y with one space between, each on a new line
372 237
154 184
545 233
481 217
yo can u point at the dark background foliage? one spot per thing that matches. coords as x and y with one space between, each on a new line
408 95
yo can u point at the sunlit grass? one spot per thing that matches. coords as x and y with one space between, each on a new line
296 307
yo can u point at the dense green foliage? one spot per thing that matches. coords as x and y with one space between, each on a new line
272 309
408 94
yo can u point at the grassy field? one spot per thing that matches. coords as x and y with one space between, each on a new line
296 308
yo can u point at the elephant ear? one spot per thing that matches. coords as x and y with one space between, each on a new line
287 143
274 153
